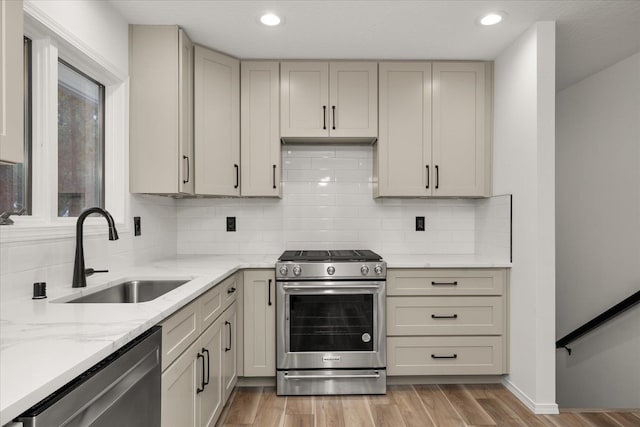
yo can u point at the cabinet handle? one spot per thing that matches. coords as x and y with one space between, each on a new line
206 383
444 283
269 291
333 112
231 290
201 389
453 356
188 169
427 176
274 177
453 316
437 177
324 117
228 348
238 176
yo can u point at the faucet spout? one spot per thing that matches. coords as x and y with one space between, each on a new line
79 273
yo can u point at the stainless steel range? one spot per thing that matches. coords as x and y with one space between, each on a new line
330 322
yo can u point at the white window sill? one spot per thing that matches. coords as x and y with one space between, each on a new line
27 229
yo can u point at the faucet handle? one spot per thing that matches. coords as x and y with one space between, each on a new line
91 271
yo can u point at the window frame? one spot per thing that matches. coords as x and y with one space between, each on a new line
50 42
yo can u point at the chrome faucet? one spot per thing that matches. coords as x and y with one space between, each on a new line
4 216
79 272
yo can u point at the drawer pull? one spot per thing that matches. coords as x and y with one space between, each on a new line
444 283
453 316
454 356
231 290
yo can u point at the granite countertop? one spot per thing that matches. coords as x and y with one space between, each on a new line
44 344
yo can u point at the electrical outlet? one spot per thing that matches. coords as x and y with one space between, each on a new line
137 230
420 223
231 223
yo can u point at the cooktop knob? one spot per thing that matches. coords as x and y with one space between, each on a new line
364 270
284 270
330 270
378 269
297 270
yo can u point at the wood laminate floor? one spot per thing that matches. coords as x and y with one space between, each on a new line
405 406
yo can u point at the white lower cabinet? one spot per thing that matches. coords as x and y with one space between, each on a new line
197 383
447 322
259 323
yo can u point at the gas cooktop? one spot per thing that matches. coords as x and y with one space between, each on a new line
353 255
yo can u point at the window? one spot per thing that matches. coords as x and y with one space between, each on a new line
80 141
15 180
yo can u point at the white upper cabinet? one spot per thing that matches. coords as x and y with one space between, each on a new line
11 82
435 124
329 99
161 124
260 133
461 129
217 123
403 154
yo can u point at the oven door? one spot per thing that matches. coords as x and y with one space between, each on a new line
330 324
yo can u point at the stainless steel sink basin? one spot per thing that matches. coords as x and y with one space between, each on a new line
131 291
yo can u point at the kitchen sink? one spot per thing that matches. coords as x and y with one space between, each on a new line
131 291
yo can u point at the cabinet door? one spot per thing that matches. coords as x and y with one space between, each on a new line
11 82
178 332
353 95
260 324
210 399
260 136
459 134
403 154
180 382
217 123
304 110
230 341
185 111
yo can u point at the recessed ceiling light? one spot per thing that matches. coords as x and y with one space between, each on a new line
491 19
270 20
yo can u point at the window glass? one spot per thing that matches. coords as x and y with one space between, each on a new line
80 141
15 180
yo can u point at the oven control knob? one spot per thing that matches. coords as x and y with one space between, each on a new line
364 270
378 269
297 270
284 270
331 270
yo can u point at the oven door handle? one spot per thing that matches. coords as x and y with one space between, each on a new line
306 377
326 287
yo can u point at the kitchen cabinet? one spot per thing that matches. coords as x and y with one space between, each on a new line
447 321
260 323
161 110
329 100
199 368
11 82
216 123
229 352
260 134
435 124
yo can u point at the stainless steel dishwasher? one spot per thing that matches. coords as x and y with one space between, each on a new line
121 390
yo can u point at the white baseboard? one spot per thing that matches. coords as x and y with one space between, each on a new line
536 408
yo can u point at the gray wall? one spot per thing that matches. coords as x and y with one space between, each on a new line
598 235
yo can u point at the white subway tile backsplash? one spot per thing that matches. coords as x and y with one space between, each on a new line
326 204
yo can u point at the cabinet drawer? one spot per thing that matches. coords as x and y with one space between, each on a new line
444 316
444 355
214 301
445 282
178 332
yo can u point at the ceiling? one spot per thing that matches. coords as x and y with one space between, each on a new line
591 34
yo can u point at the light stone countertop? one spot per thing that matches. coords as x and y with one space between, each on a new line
44 344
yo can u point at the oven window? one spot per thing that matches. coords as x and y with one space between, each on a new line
331 323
